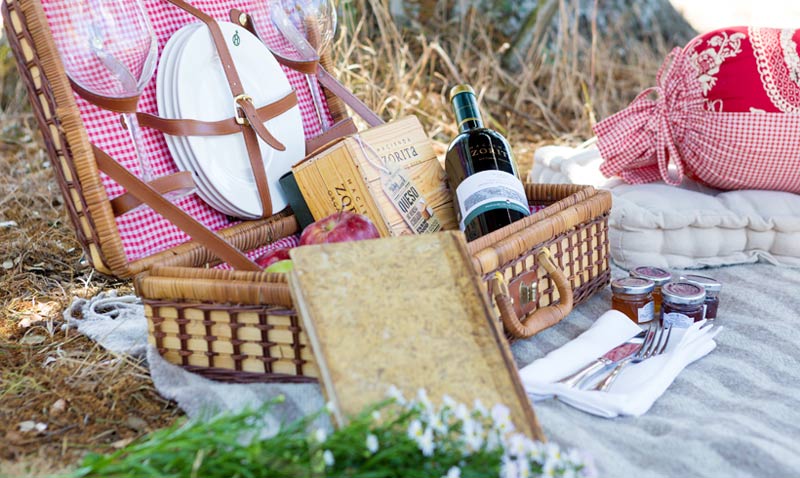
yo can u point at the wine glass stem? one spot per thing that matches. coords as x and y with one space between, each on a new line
313 86
145 167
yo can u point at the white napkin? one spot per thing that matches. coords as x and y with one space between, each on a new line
638 385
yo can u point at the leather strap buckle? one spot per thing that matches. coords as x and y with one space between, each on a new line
239 115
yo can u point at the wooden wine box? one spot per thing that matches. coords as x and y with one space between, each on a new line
355 174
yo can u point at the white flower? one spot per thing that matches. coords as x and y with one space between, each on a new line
501 418
329 407
372 443
509 468
422 399
553 452
327 457
473 435
425 443
461 412
549 468
320 435
395 394
437 424
493 440
523 467
574 457
448 402
516 445
480 409
415 430
453 472
535 450
376 416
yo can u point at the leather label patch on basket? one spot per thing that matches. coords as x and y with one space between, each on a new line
408 200
524 289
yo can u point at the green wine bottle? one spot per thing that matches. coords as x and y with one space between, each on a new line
487 191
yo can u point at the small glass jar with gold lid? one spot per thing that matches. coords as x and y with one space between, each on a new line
633 297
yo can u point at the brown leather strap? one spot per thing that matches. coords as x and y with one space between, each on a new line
229 67
259 173
247 107
244 19
163 185
308 67
172 213
190 127
246 115
312 67
341 129
348 97
118 105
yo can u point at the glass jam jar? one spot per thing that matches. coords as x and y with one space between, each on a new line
682 304
633 297
712 287
658 276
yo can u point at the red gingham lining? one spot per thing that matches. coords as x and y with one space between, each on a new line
144 232
725 150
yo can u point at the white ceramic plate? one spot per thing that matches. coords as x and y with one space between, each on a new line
203 94
165 98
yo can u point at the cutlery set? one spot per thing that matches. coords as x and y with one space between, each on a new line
602 372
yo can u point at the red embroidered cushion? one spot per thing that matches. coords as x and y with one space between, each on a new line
724 111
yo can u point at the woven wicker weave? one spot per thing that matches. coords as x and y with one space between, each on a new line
240 326
74 164
214 322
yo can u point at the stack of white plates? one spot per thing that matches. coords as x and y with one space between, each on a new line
191 84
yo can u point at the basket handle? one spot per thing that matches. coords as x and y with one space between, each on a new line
543 317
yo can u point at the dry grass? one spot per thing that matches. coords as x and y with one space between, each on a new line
561 87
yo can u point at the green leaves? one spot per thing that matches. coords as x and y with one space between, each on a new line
395 438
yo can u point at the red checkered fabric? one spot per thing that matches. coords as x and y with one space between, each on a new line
724 112
144 232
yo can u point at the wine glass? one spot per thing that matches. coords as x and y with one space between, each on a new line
109 49
302 30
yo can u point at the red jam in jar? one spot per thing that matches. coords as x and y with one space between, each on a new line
633 297
659 277
682 304
712 287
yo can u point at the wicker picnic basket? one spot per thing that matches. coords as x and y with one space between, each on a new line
241 326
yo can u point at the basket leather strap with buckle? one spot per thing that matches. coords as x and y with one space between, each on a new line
313 67
247 119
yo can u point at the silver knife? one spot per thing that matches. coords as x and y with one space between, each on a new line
609 358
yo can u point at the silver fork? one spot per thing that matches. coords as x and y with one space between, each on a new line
655 344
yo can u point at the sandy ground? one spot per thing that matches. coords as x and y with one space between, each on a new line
707 15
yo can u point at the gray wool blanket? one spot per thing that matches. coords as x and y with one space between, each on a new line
734 413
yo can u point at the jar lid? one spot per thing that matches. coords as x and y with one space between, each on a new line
657 275
683 293
709 283
632 285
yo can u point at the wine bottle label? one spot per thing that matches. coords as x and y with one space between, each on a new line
408 200
488 190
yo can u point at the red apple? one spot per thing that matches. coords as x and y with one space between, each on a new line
339 227
272 256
